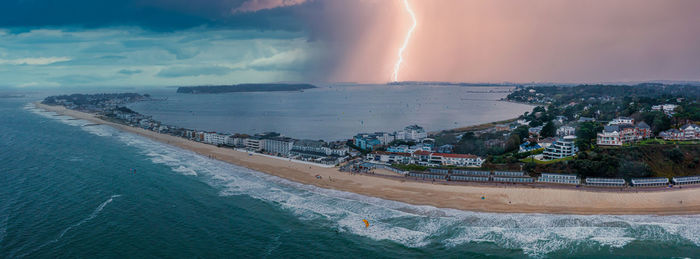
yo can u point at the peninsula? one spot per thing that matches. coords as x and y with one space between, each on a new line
217 89
458 192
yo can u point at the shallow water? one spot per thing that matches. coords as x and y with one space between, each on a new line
334 112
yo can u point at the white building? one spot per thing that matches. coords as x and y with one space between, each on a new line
413 132
214 138
564 147
457 159
558 178
621 121
668 109
278 145
253 143
566 131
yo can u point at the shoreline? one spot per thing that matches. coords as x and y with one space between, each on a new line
501 199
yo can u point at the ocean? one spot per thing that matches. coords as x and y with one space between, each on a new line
333 112
68 189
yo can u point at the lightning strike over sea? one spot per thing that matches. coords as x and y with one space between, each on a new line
397 66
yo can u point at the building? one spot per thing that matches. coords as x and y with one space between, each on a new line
649 182
535 130
585 119
606 182
668 109
412 133
278 145
617 135
456 159
214 138
254 143
621 121
686 132
566 131
525 179
367 141
564 147
390 157
686 180
558 178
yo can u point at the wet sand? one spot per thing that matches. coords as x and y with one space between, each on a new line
510 199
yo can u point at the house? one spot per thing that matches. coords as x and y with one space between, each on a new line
617 135
585 119
621 121
560 119
686 132
668 109
566 131
535 130
564 147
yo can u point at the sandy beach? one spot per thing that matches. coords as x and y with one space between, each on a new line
526 199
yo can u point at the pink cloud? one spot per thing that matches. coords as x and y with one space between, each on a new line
257 5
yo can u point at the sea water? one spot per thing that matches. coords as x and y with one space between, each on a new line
68 189
333 112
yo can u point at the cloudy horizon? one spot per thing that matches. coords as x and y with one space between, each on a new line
179 42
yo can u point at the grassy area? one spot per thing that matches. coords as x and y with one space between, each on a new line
540 162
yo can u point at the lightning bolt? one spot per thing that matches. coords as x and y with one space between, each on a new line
397 66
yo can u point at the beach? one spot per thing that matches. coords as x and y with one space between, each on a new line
510 199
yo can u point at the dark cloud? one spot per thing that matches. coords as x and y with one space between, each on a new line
158 15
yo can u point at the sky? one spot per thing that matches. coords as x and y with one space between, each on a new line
68 43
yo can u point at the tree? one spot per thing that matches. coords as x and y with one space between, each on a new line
513 143
549 130
521 131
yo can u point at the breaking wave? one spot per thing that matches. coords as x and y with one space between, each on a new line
411 225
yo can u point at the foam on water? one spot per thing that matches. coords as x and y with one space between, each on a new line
88 218
410 225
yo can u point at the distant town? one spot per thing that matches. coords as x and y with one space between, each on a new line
595 135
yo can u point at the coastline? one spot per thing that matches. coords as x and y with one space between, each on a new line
506 199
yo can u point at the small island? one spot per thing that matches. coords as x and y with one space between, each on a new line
217 89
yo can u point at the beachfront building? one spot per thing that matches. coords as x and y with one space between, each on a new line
649 182
466 160
686 180
254 143
509 173
278 145
564 147
525 179
390 157
558 178
467 178
606 182
566 131
214 138
471 172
